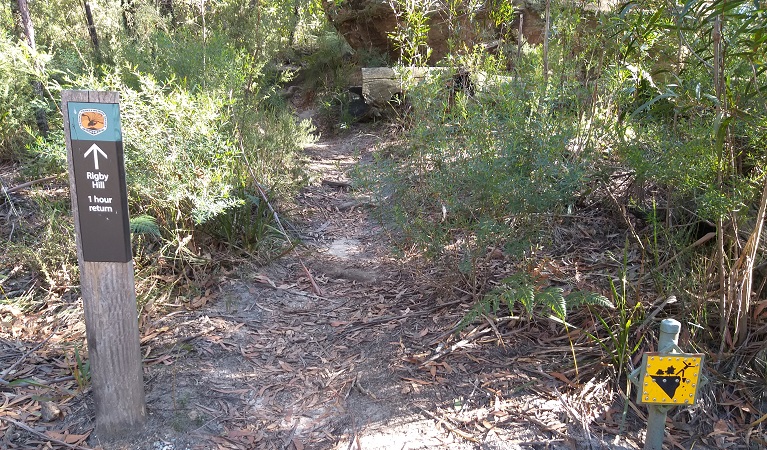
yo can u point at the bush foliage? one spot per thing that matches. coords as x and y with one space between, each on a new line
647 90
205 129
671 95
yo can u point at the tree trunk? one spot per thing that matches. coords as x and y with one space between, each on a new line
92 30
546 30
296 19
520 37
26 23
166 9
256 5
15 13
29 36
129 16
204 42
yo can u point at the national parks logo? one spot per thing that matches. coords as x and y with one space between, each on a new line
92 121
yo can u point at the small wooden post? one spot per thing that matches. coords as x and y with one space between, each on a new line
99 207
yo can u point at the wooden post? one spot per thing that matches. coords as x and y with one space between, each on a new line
37 85
107 281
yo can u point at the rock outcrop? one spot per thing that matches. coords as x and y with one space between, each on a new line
368 24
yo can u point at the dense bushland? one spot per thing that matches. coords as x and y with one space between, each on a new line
652 110
206 131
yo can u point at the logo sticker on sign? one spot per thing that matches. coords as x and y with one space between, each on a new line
93 121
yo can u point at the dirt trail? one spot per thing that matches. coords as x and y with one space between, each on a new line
367 364
273 365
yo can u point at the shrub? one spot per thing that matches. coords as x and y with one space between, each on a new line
477 169
17 101
191 157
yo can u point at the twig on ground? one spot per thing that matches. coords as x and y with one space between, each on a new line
206 424
262 192
626 219
11 190
547 444
448 426
256 304
289 439
356 384
43 435
196 335
315 288
697 243
355 439
495 330
462 343
295 292
758 421
336 184
651 316
31 382
14 365
545 427
457 327
355 203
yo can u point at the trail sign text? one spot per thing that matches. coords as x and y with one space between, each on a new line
99 174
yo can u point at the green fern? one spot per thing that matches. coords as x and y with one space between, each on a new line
553 298
581 298
144 224
519 288
482 307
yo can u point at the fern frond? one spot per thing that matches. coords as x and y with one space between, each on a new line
518 279
144 224
553 298
527 298
509 300
476 311
579 298
518 288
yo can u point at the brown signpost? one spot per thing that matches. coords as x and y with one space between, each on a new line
100 209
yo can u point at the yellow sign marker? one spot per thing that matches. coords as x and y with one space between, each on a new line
670 378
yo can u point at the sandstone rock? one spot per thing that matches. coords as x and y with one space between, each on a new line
49 411
367 24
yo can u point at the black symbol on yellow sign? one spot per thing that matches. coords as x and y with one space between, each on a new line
670 378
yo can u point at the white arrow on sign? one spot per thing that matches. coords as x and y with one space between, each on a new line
95 150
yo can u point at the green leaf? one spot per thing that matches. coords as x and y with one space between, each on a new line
144 224
553 298
25 382
646 105
579 298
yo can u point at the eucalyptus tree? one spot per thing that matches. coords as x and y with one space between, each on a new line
29 36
